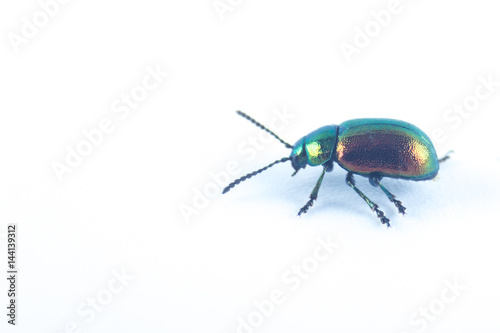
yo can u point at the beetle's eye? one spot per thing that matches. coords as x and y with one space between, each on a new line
299 159
299 155
295 162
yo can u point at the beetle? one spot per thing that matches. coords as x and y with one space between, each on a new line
369 147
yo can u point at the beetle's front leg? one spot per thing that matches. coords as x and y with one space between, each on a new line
314 193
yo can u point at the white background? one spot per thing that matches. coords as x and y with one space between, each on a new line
119 210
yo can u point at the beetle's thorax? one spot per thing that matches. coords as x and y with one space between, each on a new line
316 148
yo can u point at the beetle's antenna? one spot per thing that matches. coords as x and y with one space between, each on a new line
259 125
249 175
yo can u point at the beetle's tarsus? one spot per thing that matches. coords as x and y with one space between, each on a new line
381 215
399 205
306 207
374 180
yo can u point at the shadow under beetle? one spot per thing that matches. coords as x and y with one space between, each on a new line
371 147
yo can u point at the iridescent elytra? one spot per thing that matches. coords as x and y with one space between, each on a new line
369 147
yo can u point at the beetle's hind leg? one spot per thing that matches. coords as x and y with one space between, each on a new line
380 214
314 194
445 157
375 181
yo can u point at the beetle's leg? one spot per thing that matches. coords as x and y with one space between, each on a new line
380 214
314 194
392 197
445 157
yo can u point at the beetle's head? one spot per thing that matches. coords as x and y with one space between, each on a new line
299 155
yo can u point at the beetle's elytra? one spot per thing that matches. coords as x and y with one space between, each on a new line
371 147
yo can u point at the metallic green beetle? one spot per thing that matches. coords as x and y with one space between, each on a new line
372 147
